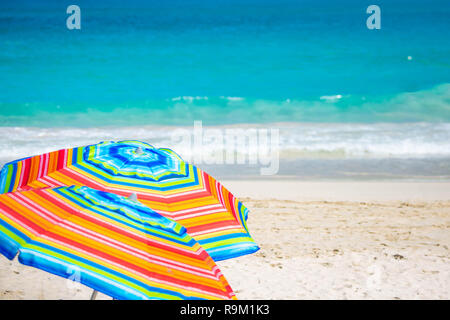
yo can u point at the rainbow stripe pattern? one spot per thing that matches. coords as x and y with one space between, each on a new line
109 243
159 178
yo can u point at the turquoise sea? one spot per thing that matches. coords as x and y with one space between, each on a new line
376 102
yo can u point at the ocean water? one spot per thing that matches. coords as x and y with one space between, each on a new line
340 94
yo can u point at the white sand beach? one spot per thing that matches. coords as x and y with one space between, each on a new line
319 240
344 240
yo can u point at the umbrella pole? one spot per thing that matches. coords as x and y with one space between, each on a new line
94 295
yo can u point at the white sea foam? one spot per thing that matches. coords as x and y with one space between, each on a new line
297 141
333 98
232 98
189 98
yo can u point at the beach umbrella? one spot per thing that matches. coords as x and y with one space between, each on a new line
158 177
112 244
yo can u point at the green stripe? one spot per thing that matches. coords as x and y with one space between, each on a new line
9 178
12 235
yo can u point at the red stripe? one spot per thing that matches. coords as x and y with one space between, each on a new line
25 172
60 164
209 226
22 220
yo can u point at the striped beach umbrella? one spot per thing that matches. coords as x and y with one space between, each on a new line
112 244
159 178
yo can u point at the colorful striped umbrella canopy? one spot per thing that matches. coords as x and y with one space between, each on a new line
159 178
118 246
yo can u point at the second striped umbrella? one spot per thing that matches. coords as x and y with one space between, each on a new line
116 246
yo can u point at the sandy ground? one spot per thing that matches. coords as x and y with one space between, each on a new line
319 240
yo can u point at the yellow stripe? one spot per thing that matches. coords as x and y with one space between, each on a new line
37 184
18 173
